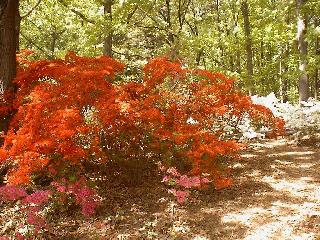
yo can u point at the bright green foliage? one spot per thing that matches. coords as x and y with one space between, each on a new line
207 34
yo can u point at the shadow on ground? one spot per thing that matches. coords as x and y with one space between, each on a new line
276 195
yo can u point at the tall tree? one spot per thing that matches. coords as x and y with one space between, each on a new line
9 10
302 46
107 45
8 42
316 77
248 42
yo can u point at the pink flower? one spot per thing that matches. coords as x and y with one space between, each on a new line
85 196
184 181
36 220
205 180
4 238
173 171
37 198
12 193
19 236
195 181
189 182
180 195
88 208
59 187
165 179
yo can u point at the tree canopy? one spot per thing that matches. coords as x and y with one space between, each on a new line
213 35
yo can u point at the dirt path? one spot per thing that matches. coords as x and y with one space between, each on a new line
279 184
276 195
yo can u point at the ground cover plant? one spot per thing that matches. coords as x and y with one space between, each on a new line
74 113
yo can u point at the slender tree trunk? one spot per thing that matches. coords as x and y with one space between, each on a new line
283 69
107 50
217 9
302 47
3 5
316 84
248 42
168 20
262 53
238 53
54 38
198 56
284 78
316 72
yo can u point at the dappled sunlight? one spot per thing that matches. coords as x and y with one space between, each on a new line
303 158
255 173
284 162
291 208
271 143
245 217
304 153
200 238
305 165
248 155
261 151
238 165
302 187
280 221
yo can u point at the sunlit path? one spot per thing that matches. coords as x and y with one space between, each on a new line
276 195
290 208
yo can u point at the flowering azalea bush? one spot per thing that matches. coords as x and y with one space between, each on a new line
73 111
34 207
304 117
180 185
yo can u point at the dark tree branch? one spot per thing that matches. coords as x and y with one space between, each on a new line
34 44
149 16
150 27
130 15
32 9
193 29
81 15
128 55
182 11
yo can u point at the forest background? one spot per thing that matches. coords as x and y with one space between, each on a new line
68 125
269 46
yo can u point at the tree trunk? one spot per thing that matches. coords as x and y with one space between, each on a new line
8 42
284 85
54 38
248 42
283 79
107 47
316 72
237 50
8 46
198 56
316 84
18 24
219 30
168 20
302 47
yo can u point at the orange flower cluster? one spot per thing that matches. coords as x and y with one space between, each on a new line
71 111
